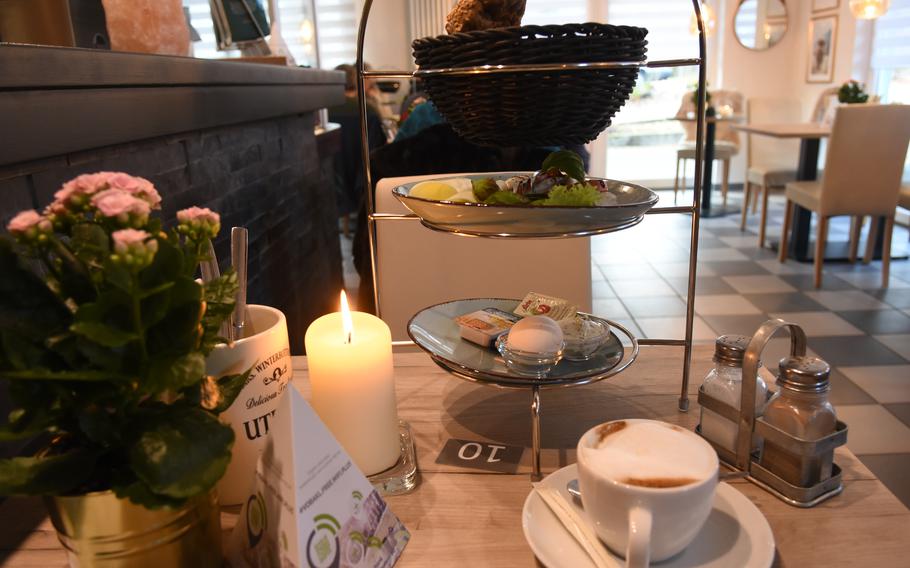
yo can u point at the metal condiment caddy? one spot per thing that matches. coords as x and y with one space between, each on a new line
749 426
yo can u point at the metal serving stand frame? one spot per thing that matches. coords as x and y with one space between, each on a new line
693 209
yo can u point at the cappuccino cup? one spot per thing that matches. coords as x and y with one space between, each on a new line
647 486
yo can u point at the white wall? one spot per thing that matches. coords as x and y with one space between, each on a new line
387 44
780 72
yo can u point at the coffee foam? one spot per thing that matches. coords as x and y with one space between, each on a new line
649 454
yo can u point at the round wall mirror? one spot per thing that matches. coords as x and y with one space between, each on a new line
760 24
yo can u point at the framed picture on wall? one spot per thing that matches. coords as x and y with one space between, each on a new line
822 47
824 5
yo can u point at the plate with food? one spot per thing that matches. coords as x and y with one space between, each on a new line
559 200
471 338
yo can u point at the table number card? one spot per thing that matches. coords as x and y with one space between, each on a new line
310 507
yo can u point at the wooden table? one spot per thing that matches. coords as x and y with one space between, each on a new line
810 135
707 179
459 517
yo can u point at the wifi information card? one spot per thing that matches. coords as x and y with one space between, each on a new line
310 507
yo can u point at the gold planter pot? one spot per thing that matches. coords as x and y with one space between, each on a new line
101 530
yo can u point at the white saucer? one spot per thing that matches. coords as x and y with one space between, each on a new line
735 534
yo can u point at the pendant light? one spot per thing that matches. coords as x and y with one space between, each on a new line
868 9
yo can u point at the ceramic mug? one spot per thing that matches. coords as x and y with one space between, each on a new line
267 351
648 523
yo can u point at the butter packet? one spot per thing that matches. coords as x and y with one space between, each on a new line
535 304
484 326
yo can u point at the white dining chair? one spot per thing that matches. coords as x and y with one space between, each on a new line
770 162
864 163
825 100
726 139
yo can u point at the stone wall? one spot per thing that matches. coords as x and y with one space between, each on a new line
264 175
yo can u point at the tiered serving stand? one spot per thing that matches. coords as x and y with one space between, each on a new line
486 376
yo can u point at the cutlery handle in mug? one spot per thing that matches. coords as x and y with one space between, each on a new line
638 549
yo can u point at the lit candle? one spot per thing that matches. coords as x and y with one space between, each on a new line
349 356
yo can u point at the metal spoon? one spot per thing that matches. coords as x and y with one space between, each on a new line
574 491
239 246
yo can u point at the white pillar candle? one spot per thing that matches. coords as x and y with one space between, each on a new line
350 370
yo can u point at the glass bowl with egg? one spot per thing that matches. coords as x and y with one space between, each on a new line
532 347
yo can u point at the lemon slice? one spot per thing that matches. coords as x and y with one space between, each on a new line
464 197
433 190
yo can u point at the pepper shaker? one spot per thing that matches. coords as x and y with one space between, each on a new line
801 408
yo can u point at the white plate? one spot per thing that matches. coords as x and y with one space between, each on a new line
736 534
531 221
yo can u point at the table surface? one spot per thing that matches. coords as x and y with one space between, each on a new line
787 130
459 517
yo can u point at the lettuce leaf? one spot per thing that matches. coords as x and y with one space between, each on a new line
579 195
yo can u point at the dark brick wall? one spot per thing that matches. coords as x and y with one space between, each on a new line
265 175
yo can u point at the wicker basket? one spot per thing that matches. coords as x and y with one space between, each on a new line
532 108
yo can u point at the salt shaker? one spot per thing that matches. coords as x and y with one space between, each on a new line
724 383
801 408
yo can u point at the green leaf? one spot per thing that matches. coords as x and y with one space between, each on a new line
567 162
75 278
52 475
91 244
25 424
118 275
217 395
103 334
166 266
182 452
175 373
28 308
140 494
179 331
154 307
98 425
48 375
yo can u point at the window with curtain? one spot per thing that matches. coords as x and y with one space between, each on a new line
643 139
891 53
297 28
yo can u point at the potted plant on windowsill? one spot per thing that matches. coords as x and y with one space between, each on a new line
852 92
103 337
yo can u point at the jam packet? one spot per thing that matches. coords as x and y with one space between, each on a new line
535 304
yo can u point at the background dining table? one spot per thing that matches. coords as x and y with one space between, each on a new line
462 516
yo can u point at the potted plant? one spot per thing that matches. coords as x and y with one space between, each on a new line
103 337
852 92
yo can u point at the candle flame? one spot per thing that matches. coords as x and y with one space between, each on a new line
346 321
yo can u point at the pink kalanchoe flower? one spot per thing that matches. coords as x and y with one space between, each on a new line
29 223
202 214
124 238
136 186
134 247
198 222
80 188
120 205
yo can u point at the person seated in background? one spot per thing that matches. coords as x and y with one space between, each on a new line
434 149
348 164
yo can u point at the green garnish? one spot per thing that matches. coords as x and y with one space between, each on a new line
484 188
505 198
567 162
580 195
